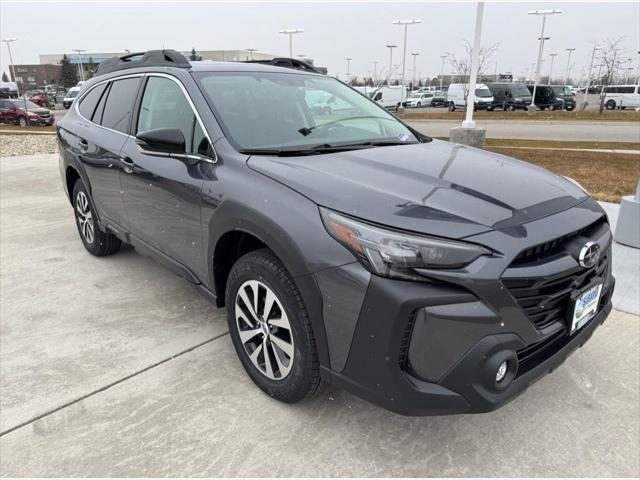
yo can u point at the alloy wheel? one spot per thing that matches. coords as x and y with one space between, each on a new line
264 329
85 217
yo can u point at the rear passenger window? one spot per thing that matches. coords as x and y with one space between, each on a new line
90 100
97 115
119 105
165 106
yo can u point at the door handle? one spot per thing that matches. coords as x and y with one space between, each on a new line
127 164
84 145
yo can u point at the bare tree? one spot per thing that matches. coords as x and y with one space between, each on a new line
610 55
462 65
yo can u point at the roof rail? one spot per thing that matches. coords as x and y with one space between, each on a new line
151 58
287 63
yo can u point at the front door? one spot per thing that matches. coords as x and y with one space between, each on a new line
162 194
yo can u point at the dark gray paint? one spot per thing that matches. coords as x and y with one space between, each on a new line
432 188
343 290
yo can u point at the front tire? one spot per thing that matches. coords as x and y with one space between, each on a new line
96 242
23 122
611 104
270 328
452 107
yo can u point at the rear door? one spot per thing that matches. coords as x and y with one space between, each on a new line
106 110
162 194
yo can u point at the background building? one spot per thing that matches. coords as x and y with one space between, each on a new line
32 76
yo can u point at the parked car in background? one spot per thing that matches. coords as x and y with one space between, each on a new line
457 97
510 96
8 90
546 97
41 99
566 96
622 96
70 96
439 98
23 112
418 100
388 97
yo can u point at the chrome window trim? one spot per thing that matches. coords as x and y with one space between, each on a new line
76 104
161 75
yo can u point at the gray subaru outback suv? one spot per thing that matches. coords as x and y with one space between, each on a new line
424 276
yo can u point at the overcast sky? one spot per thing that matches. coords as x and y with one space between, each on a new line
333 31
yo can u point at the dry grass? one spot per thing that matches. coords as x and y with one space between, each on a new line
608 115
507 142
5 129
607 176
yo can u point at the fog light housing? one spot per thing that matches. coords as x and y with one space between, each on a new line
502 371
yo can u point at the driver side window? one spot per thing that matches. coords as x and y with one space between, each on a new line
164 105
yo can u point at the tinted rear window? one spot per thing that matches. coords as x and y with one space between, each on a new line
88 104
117 110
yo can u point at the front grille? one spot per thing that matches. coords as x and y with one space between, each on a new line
545 301
529 356
554 246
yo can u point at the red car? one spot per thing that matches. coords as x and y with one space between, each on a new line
24 112
40 99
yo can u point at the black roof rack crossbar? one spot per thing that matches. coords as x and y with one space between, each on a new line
151 58
287 63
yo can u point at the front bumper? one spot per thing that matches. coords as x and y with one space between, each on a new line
433 348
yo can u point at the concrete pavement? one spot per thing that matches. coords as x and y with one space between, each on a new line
117 367
582 131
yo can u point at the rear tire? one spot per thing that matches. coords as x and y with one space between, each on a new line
290 370
610 105
96 242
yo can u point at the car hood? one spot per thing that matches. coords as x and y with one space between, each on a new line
39 111
439 188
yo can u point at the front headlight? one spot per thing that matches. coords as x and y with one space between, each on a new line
396 254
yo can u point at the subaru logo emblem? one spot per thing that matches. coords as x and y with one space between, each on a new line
589 255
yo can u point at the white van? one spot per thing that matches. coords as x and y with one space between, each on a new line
457 97
622 96
70 96
388 97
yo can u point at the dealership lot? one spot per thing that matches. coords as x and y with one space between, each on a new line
115 366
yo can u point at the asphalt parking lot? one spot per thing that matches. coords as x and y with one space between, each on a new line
117 367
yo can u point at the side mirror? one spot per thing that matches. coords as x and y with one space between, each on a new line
162 140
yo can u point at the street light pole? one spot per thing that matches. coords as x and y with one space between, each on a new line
566 77
413 73
553 57
375 71
544 14
390 47
348 59
475 60
78 52
442 71
11 67
251 50
404 23
291 32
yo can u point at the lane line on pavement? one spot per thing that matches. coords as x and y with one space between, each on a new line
112 384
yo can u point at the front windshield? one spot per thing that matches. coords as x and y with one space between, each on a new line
289 110
519 90
483 92
562 90
72 93
21 103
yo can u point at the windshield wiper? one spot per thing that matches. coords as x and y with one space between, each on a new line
322 148
308 130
